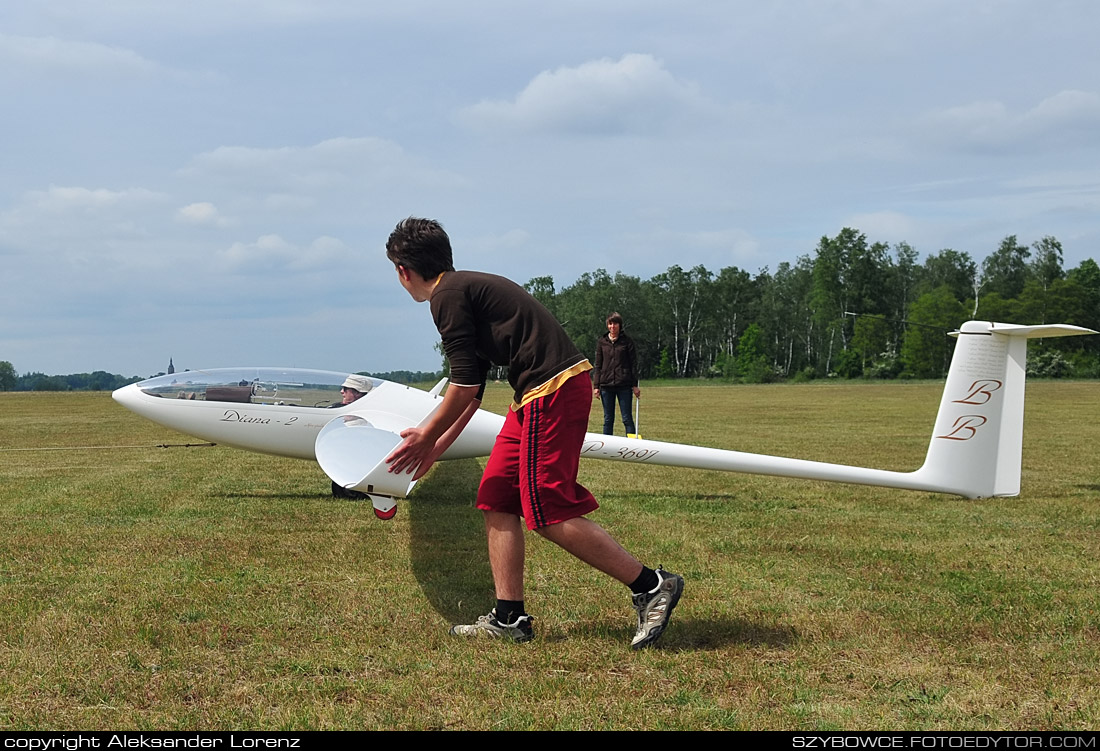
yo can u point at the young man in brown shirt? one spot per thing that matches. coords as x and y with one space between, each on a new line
531 475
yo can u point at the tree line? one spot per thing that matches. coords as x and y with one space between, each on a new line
854 309
98 381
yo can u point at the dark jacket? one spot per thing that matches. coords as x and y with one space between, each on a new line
616 362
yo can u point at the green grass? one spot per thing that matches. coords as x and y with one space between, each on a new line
210 588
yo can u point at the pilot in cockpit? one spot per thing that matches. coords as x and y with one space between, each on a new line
354 387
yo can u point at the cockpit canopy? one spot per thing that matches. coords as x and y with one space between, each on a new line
302 388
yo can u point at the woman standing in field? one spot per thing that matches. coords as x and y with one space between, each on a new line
615 375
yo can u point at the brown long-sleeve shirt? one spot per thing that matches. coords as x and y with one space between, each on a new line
486 319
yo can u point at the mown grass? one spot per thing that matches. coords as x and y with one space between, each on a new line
210 588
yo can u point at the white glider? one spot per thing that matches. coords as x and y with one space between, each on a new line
975 449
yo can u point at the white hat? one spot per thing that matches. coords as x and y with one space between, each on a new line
360 383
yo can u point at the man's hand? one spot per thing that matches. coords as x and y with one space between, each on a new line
415 452
637 392
421 446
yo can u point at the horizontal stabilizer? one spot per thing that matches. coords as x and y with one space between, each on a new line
353 453
1038 332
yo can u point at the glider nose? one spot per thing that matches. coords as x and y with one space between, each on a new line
127 396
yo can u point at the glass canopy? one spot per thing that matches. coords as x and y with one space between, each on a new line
303 388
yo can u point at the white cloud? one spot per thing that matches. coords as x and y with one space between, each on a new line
1068 118
87 215
206 16
326 164
1075 113
50 54
61 199
635 94
202 214
324 252
272 253
334 164
267 252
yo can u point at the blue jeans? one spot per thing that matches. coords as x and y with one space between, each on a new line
608 396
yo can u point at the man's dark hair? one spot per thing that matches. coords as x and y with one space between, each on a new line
615 318
420 245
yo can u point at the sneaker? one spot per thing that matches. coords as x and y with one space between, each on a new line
489 627
655 608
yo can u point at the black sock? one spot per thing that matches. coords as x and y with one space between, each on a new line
509 610
646 581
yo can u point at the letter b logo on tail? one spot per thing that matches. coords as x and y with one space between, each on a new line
964 428
980 391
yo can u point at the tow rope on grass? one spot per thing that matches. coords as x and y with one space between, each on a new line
91 448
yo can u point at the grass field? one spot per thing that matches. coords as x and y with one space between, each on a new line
209 588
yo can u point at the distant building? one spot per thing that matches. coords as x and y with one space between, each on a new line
171 367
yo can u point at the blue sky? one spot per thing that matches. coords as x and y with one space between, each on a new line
214 180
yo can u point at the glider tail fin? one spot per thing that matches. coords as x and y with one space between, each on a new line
977 442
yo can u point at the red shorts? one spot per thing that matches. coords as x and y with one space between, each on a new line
532 471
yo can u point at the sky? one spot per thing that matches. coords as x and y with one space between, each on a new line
213 181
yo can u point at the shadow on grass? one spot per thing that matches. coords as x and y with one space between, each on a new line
451 565
272 494
447 541
696 634
692 634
